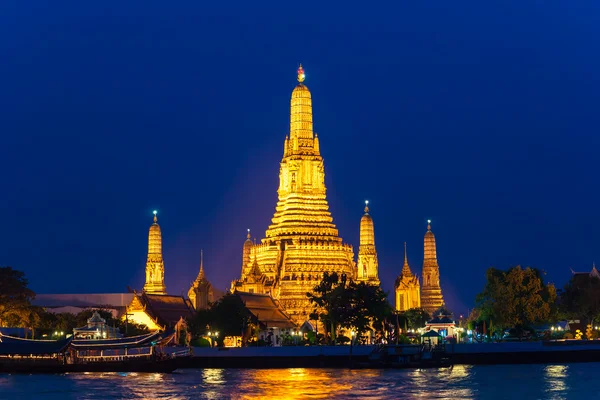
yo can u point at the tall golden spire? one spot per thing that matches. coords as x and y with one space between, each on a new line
200 292
155 267
246 250
430 253
201 273
302 241
431 295
301 122
368 266
367 228
406 268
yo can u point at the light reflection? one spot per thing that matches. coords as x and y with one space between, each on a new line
556 376
293 383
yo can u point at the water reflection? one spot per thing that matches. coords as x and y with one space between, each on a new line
293 383
461 382
556 378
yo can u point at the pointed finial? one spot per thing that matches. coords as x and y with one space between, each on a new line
428 224
155 212
301 75
405 256
248 235
201 262
366 206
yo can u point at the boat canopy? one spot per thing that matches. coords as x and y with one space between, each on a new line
15 346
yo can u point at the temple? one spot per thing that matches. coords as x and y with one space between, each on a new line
154 308
201 292
155 266
302 242
407 288
431 295
367 270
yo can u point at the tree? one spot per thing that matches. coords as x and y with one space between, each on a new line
330 298
580 299
516 298
368 307
416 317
15 296
344 304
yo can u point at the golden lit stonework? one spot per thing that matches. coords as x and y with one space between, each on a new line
431 295
201 291
407 288
368 267
155 266
302 241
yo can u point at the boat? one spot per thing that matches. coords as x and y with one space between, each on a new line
145 353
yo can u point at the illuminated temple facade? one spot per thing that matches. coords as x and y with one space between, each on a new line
153 307
407 288
155 266
431 294
302 242
368 268
201 292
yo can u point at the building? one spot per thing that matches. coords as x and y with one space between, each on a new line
96 328
201 292
159 311
155 266
153 307
442 323
407 288
272 321
368 267
431 293
302 242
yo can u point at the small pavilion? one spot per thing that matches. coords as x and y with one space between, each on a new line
442 323
96 328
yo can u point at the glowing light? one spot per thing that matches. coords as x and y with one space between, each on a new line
154 212
428 221
367 202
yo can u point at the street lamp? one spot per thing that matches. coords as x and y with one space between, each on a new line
213 337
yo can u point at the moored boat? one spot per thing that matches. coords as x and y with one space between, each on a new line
144 353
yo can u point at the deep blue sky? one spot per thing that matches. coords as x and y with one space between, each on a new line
484 118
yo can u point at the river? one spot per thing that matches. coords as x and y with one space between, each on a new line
461 382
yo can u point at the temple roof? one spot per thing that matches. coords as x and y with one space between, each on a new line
265 310
96 319
166 309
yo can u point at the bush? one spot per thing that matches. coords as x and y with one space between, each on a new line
200 342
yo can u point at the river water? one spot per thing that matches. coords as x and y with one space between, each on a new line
461 382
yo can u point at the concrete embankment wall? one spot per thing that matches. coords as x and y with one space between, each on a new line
279 357
524 352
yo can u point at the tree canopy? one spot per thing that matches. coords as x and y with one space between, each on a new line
15 296
516 297
580 299
340 303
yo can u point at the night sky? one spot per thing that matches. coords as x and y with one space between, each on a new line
483 118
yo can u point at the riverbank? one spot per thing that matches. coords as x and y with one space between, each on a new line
345 356
565 351
279 357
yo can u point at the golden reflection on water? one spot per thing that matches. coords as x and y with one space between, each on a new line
450 379
556 376
293 383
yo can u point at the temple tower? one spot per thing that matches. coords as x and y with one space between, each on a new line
302 241
431 298
201 291
368 266
155 266
408 290
246 254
